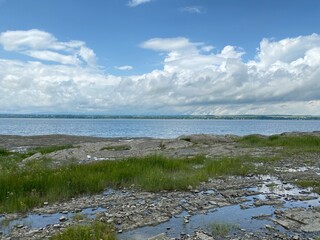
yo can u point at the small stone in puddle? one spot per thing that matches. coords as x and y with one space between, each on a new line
63 219
120 231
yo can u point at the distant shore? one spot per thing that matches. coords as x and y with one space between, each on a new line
222 117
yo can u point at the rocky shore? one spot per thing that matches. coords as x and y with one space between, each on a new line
268 206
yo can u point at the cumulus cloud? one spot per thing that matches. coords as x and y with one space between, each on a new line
193 9
134 3
124 68
167 44
282 79
44 46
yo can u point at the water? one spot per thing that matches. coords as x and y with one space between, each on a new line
157 128
233 215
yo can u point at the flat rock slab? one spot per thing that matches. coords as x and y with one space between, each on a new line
300 219
161 236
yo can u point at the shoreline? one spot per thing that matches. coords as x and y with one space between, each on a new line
269 193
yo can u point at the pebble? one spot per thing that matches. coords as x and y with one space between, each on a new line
56 226
63 219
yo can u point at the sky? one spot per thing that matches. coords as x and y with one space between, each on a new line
160 57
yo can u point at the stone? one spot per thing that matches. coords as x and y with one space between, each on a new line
63 219
56 226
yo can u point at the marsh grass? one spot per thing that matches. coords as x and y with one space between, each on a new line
94 231
116 148
50 149
306 143
221 230
310 183
25 188
4 152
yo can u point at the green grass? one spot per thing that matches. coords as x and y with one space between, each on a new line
22 189
93 231
221 230
9 161
50 149
310 183
302 143
116 148
4 152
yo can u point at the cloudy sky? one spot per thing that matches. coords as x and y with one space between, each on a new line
160 56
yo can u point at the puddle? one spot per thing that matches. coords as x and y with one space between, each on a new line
232 215
36 221
251 218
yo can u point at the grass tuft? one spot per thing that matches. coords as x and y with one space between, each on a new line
301 143
50 149
94 231
221 230
310 183
116 148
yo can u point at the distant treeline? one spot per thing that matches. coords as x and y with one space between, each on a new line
226 117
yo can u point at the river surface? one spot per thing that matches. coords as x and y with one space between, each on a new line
156 128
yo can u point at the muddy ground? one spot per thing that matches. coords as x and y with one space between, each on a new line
269 206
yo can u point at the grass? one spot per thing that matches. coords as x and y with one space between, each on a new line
221 230
94 231
22 189
4 152
50 149
302 143
9 161
310 183
116 148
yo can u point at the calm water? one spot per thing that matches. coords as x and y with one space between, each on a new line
160 128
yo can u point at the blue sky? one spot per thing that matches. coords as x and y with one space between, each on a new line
138 56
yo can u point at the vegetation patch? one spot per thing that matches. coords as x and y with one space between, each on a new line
221 230
4 152
25 188
116 148
50 149
315 185
94 231
301 143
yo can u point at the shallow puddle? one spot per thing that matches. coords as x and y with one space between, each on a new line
250 218
36 221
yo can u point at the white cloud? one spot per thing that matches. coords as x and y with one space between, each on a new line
134 3
193 9
53 56
124 68
21 40
44 46
167 44
283 79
